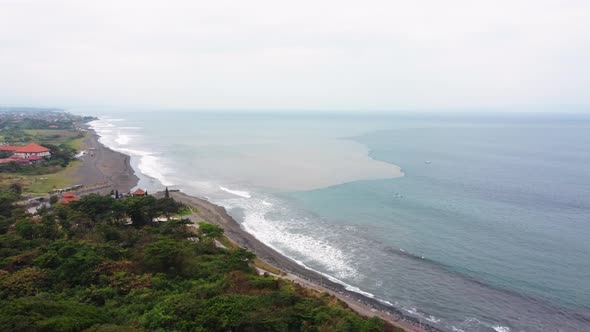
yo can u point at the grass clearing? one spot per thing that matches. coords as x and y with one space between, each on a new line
267 267
227 242
187 211
44 183
41 184
72 138
77 143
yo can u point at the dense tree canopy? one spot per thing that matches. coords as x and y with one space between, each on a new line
85 267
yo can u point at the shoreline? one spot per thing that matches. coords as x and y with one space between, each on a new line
101 164
363 305
105 164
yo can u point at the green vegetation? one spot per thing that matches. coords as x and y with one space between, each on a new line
61 156
63 142
42 184
100 264
71 138
33 123
186 211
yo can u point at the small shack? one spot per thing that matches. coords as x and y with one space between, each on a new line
139 192
68 197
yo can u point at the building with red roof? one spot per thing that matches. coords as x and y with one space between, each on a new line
138 192
5 160
68 197
34 158
8 148
31 150
26 151
19 160
26 154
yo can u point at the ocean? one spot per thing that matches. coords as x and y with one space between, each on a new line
467 222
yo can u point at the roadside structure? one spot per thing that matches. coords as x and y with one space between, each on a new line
68 197
138 192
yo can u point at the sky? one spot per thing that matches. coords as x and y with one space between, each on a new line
320 54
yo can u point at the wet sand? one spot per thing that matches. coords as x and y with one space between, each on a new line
103 165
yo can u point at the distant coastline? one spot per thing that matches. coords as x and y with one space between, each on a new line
115 167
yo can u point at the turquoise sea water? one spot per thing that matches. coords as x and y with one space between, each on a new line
487 230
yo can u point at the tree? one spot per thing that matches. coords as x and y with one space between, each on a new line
118 211
166 193
210 231
7 200
47 228
24 229
25 282
70 262
16 188
168 206
240 259
97 207
167 256
176 228
53 199
141 209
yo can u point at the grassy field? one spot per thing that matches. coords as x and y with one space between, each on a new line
57 137
42 184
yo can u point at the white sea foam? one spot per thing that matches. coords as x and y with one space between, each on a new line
202 186
151 166
357 290
414 312
499 328
386 302
240 193
123 139
149 163
280 236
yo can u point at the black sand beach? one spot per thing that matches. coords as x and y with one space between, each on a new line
101 164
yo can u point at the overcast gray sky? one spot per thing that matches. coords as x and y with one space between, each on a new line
331 54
